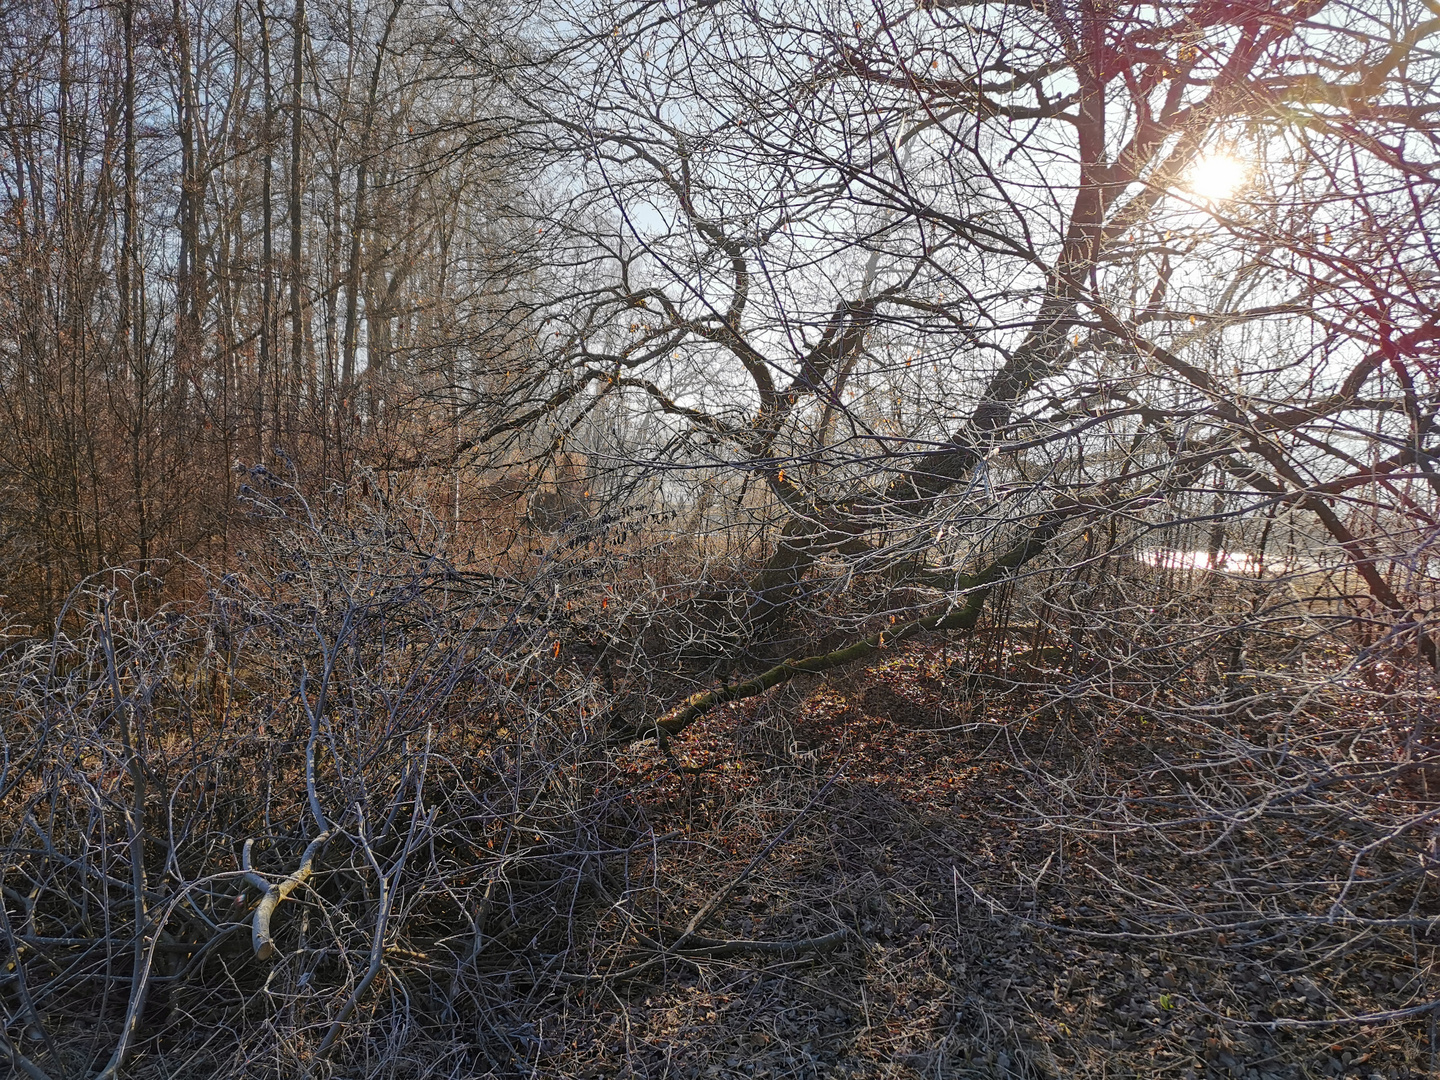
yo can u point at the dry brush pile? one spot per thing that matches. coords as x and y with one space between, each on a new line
347 807
370 811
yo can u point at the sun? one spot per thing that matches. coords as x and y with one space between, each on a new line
1217 176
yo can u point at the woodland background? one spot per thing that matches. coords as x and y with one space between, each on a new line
678 539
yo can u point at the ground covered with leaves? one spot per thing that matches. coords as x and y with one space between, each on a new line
1027 885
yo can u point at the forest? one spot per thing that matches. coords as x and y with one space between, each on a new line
720 539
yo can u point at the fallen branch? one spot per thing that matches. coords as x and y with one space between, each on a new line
977 586
19 1060
387 885
377 948
260 936
705 948
712 947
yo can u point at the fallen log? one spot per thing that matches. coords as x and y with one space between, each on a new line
976 587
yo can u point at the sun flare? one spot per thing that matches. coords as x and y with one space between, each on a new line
1217 176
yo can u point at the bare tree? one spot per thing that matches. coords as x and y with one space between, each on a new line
886 263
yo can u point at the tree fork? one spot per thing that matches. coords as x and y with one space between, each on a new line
915 491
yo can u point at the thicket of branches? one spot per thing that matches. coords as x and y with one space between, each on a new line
416 415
